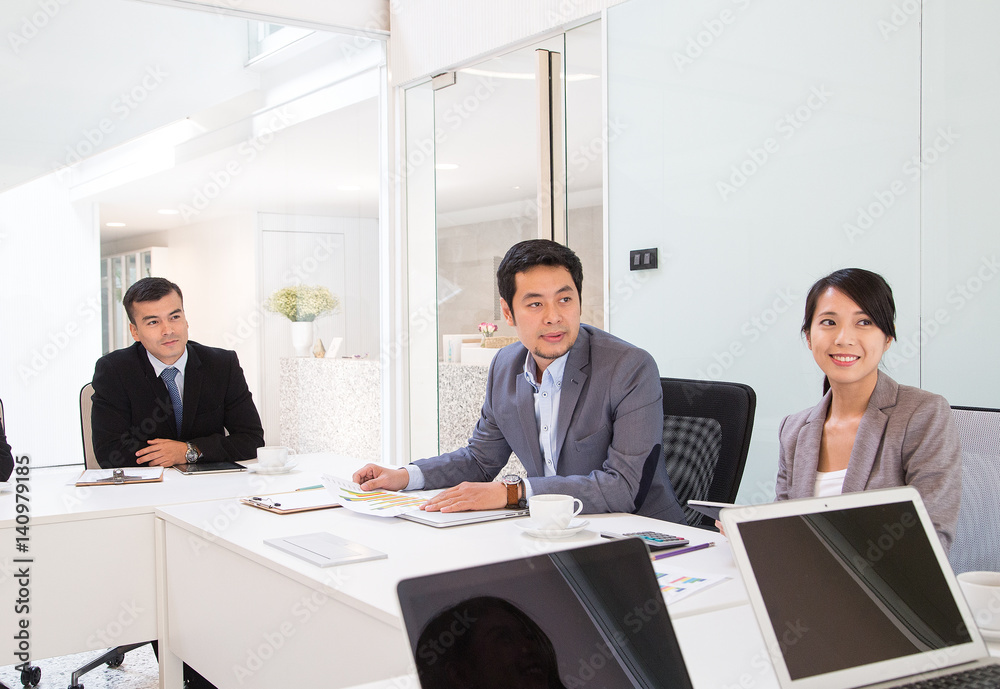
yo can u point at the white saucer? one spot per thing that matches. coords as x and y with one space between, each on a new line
575 526
990 634
258 469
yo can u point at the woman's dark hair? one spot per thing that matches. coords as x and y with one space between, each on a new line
525 255
868 290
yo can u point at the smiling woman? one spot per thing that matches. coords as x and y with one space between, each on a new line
868 431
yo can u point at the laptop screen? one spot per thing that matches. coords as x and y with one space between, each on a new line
848 587
587 617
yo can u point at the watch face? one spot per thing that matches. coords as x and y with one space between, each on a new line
511 479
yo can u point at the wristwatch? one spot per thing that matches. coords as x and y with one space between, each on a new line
515 492
192 455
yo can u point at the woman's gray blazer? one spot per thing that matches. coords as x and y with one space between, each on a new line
907 437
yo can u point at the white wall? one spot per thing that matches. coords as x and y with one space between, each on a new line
51 302
367 16
960 276
743 160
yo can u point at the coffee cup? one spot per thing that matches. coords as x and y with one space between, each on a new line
982 593
552 512
273 456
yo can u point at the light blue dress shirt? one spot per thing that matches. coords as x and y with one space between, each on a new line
546 395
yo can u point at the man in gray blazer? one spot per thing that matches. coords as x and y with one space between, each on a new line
580 408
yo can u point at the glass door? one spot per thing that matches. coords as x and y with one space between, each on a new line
487 181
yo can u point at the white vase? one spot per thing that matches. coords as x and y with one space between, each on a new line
302 337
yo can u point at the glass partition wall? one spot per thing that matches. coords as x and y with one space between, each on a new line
510 162
238 168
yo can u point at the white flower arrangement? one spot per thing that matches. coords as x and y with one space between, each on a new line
302 302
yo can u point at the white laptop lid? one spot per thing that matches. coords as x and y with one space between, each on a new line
851 590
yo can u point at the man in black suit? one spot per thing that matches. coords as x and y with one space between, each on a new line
165 400
6 458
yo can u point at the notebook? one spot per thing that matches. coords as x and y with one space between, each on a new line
854 591
591 616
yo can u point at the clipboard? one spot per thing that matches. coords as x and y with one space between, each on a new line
113 477
296 501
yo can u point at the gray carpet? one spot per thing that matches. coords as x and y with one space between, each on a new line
139 671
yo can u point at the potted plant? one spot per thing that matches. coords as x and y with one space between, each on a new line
302 304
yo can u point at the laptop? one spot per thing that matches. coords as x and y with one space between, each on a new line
855 591
592 616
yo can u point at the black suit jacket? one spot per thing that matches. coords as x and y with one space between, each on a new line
132 406
6 458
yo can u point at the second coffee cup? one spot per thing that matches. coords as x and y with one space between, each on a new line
272 456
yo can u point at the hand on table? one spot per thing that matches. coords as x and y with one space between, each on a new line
465 497
161 452
375 477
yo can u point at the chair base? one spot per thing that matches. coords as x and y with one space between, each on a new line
114 657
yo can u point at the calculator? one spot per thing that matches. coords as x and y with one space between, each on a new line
659 541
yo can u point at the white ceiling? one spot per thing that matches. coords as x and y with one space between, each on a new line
76 73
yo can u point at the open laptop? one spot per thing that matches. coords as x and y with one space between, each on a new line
591 616
855 591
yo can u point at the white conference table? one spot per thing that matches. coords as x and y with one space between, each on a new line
92 549
285 620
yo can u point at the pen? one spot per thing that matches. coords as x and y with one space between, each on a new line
309 487
681 551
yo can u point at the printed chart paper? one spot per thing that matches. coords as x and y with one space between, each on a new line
676 585
378 503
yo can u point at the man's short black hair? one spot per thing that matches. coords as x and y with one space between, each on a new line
148 289
525 255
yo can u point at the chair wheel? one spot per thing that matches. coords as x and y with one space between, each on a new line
31 676
117 661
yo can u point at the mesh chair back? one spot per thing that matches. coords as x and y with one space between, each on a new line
975 546
691 447
86 404
706 437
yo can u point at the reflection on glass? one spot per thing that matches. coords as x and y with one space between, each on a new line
585 146
587 617
486 161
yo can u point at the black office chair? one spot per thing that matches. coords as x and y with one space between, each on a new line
706 436
974 548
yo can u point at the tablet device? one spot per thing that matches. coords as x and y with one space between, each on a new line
708 508
209 468
442 520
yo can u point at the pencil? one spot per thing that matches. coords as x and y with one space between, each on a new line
681 551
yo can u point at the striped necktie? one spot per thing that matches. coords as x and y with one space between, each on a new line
168 376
